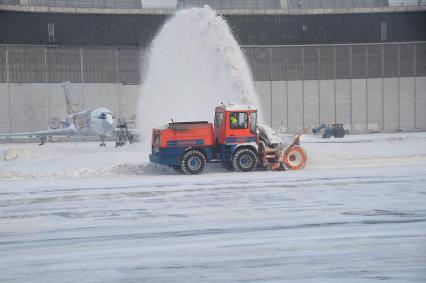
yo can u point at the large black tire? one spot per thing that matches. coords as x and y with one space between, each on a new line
244 160
339 133
193 162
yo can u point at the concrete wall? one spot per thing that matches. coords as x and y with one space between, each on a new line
390 103
362 105
327 101
295 106
279 104
4 109
359 105
374 104
311 101
420 93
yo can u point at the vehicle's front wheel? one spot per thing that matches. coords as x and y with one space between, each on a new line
244 160
193 162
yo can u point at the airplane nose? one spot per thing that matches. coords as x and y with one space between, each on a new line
109 124
110 120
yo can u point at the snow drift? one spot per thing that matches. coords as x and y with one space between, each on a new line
88 160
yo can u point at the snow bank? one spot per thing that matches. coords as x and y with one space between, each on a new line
69 160
77 160
370 150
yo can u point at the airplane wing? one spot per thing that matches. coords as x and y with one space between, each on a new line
117 131
58 132
134 131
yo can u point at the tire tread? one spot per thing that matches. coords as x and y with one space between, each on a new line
188 155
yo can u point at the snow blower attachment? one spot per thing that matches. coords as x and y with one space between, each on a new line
277 154
236 140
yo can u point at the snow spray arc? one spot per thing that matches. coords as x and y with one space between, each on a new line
194 64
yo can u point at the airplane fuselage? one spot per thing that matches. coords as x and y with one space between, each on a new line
100 122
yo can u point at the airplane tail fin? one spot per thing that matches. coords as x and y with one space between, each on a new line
68 98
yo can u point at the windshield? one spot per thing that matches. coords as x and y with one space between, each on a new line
103 115
238 120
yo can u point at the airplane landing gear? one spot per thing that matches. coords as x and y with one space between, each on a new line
42 140
123 133
102 140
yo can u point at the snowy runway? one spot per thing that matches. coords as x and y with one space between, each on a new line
349 222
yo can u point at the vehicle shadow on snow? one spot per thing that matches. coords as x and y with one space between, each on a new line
152 169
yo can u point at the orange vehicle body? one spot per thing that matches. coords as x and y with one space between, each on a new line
186 134
232 139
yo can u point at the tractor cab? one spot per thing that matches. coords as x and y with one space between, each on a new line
235 124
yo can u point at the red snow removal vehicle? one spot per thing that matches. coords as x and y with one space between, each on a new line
236 140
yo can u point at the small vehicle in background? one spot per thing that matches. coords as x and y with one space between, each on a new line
327 131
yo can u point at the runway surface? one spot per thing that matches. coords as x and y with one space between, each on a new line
78 213
325 225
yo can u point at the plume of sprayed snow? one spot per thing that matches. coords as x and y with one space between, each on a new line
194 64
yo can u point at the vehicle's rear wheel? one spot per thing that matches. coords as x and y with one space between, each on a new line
193 162
295 158
244 160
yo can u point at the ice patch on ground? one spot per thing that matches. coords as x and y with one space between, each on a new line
145 168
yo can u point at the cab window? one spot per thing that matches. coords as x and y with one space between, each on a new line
218 119
238 120
253 122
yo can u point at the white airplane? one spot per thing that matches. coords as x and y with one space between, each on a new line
97 122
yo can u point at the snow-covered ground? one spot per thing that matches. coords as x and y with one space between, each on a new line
87 159
80 213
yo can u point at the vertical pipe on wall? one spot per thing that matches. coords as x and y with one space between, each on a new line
286 86
383 87
120 99
82 75
81 66
366 89
46 95
399 89
350 84
45 65
8 92
318 82
334 82
7 64
270 104
415 86
303 88
117 79
270 86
